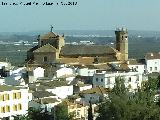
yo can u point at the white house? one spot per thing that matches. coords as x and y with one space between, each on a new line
59 88
38 72
64 72
107 79
16 77
135 65
152 62
84 71
13 101
35 73
62 91
80 87
43 99
95 95
45 103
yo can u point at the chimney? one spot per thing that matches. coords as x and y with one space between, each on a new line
152 54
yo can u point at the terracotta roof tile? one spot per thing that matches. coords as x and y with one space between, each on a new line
152 56
87 50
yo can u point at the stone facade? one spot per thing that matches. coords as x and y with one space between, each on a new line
122 43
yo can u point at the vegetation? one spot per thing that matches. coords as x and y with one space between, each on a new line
123 105
35 114
60 113
90 114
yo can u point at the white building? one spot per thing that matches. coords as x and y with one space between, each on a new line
36 73
62 91
80 87
44 100
13 101
95 95
84 71
107 79
60 88
152 62
135 65
16 77
64 72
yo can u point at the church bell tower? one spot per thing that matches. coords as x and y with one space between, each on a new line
122 43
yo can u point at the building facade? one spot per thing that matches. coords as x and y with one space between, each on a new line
13 101
132 80
152 62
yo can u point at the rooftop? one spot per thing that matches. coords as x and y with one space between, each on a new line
42 94
83 50
54 83
150 56
134 62
96 90
46 48
47 100
9 88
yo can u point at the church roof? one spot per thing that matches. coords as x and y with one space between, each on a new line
49 35
90 50
46 48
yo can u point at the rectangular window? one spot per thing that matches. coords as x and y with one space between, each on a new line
129 80
19 106
156 68
2 109
14 95
18 95
150 68
6 96
2 97
14 107
45 59
7 108
97 79
101 80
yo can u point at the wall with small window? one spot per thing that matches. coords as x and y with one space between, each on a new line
153 65
45 57
13 102
98 80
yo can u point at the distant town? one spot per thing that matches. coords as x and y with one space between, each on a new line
100 78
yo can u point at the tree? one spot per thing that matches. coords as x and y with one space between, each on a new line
124 105
35 114
90 114
61 112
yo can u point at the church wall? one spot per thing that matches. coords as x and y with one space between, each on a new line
61 43
45 57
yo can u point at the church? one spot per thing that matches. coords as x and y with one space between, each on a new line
51 48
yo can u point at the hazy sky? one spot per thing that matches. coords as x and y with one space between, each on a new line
87 14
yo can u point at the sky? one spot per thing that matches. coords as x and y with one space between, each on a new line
86 15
